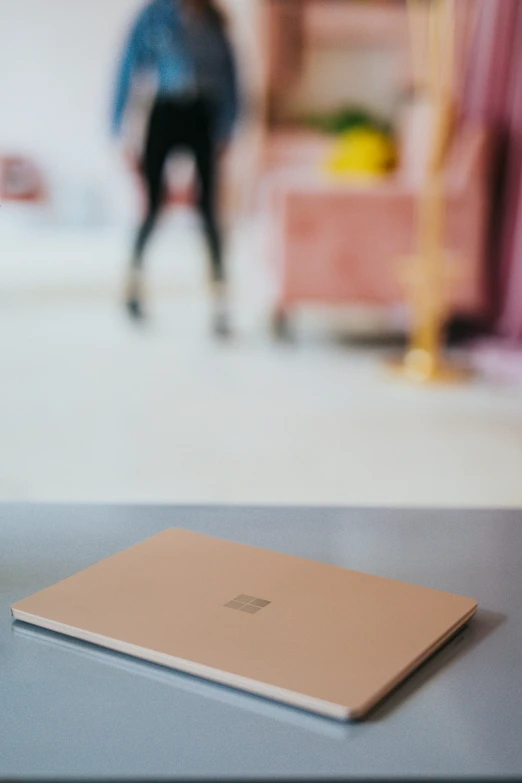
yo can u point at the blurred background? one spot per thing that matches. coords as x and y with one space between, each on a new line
322 188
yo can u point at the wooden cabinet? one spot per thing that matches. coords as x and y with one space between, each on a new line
304 37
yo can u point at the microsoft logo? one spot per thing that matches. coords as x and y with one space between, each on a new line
247 603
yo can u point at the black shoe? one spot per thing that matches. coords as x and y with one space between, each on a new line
221 326
135 309
280 326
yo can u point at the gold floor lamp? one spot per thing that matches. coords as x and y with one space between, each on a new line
428 274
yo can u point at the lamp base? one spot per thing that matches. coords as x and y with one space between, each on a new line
420 367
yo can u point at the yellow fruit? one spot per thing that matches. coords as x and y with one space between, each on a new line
361 153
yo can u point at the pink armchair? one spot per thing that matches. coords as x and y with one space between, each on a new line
341 242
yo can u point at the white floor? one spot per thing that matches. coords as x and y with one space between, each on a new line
92 409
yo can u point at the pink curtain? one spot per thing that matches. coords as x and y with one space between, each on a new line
494 96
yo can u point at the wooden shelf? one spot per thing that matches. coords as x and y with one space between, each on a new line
355 23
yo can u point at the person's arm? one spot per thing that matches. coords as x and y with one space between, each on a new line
131 61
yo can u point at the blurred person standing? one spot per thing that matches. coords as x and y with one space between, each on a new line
184 48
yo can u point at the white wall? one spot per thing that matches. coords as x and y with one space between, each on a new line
57 68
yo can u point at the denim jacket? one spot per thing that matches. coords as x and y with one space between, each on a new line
183 60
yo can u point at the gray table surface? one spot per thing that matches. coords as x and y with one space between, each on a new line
72 710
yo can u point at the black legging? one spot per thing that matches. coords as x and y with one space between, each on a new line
181 124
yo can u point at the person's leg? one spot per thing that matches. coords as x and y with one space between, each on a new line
207 172
156 153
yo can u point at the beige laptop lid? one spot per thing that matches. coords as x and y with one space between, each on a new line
316 636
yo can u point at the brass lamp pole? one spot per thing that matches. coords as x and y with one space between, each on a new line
428 273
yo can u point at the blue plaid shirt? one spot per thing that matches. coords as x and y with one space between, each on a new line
184 59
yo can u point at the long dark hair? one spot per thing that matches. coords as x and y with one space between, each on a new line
211 10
